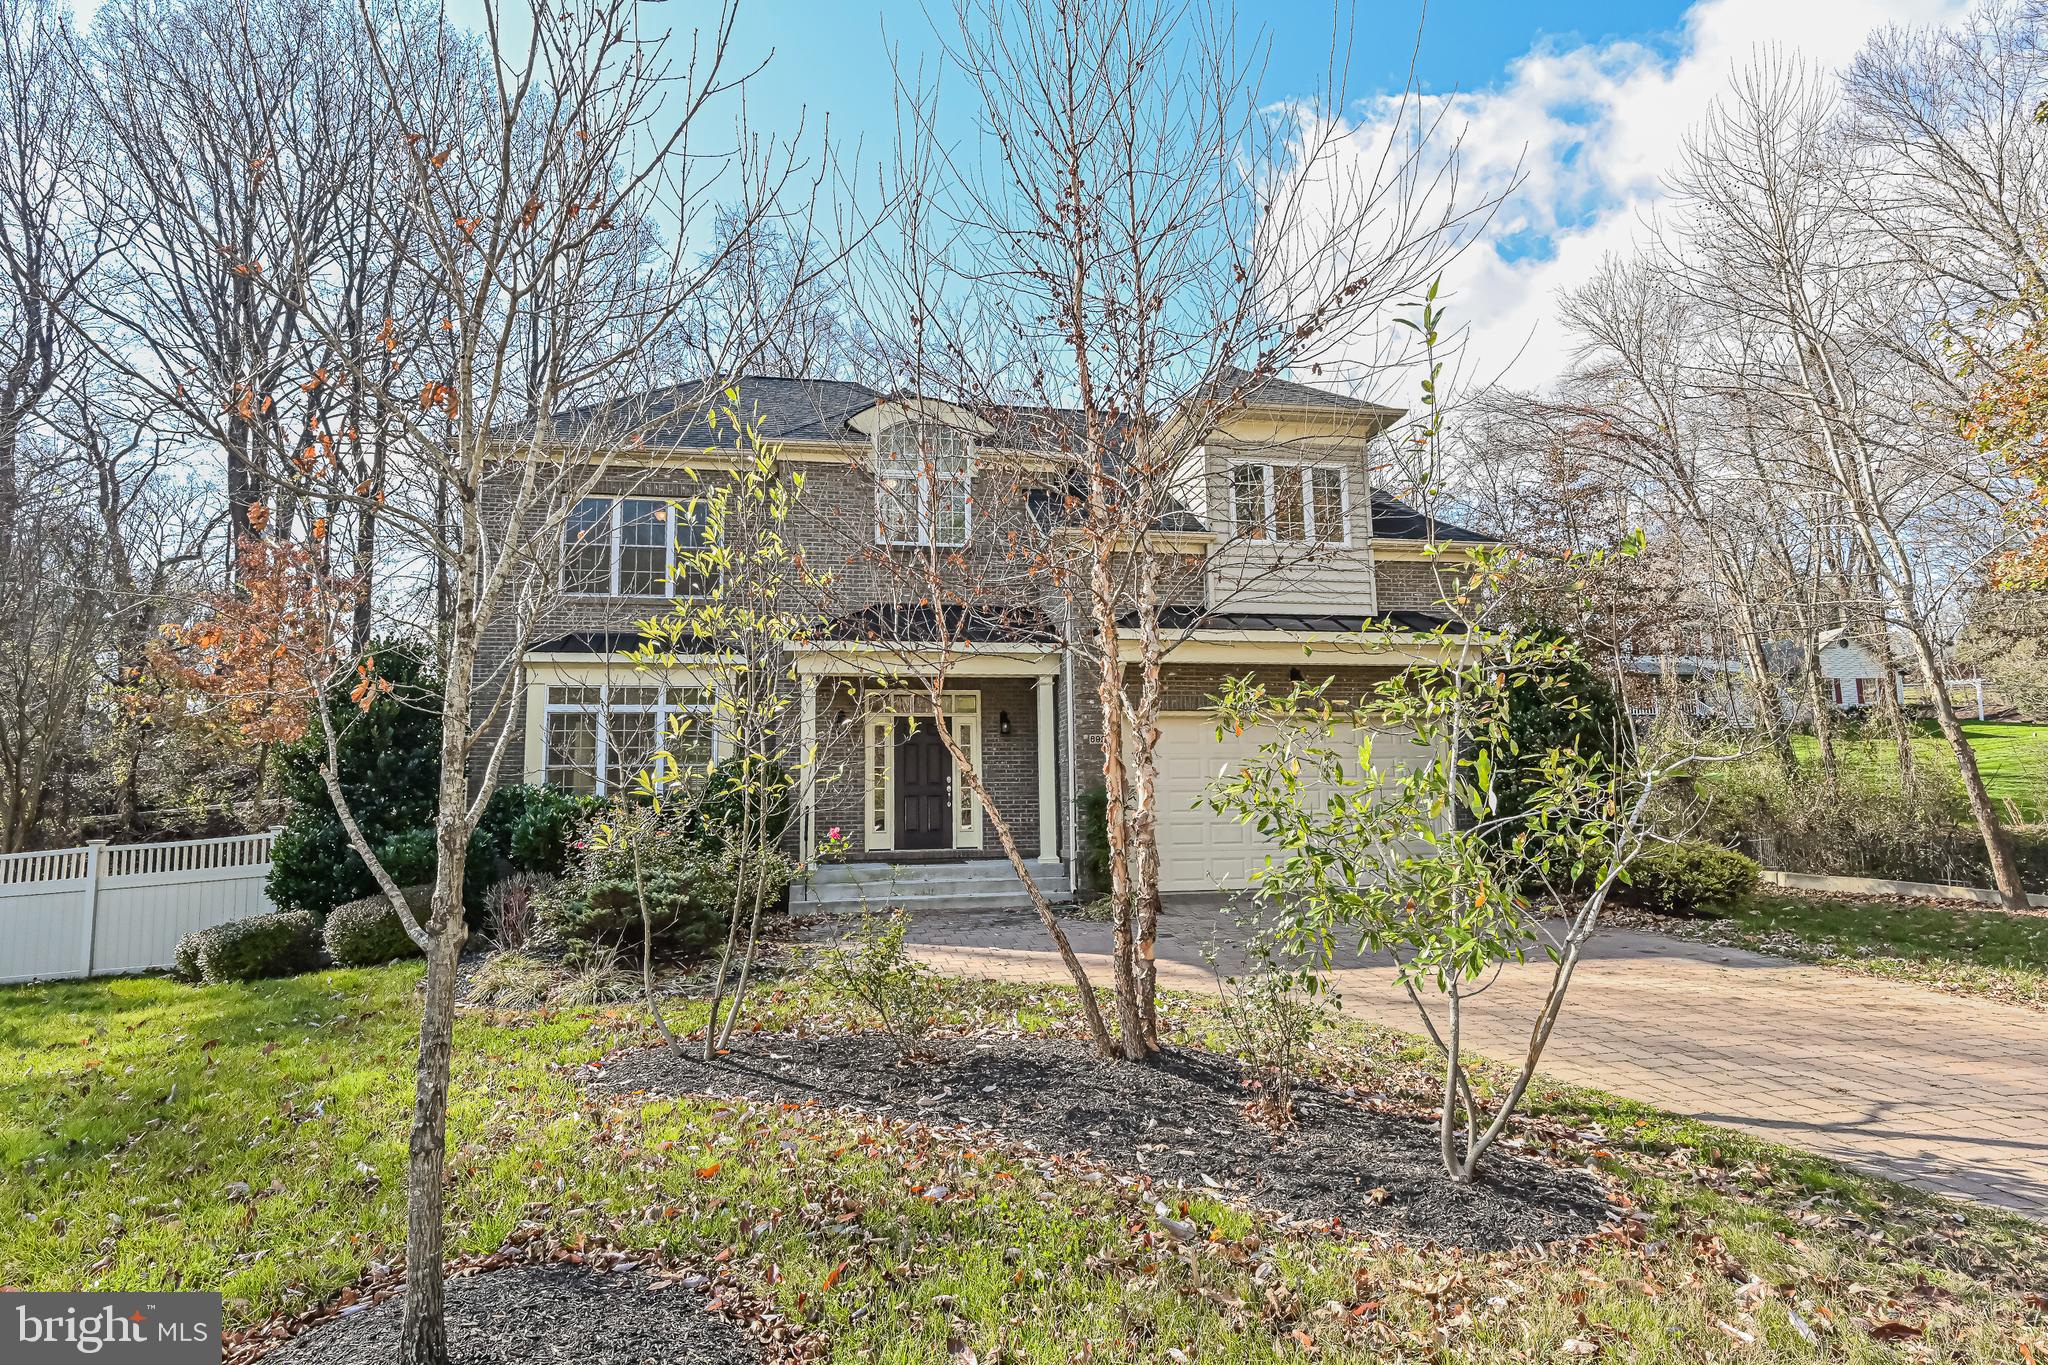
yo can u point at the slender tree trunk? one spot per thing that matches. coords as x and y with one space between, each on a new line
647 944
423 1338
2005 871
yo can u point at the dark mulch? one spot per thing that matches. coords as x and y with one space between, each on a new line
542 1312
1180 1119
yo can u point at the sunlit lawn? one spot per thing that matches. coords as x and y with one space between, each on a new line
251 1140
2013 758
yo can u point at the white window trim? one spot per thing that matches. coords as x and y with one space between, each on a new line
663 710
925 515
1266 465
878 730
615 549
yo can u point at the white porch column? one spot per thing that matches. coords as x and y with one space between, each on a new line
807 752
1048 774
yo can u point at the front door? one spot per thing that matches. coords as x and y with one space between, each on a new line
924 787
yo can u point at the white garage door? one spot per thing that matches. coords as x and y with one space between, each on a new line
1200 850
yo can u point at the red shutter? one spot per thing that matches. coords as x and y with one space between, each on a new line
1835 687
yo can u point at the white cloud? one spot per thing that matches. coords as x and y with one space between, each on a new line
1595 128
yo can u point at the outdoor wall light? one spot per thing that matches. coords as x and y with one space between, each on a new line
1294 675
841 717
1003 722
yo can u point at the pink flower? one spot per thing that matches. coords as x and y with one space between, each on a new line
832 833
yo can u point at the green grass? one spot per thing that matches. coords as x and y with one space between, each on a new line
2012 757
1975 952
251 1139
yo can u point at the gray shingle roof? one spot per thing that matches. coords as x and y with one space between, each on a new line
1393 519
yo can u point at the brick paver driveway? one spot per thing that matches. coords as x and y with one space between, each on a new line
1946 1093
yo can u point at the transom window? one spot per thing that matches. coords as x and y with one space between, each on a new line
634 547
1290 503
924 485
599 739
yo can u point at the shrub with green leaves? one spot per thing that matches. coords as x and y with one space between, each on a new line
597 905
1687 878
533 828
367 932
873 968
282 944
735 789
390 767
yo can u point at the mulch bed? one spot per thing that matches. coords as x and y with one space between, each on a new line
1179 1120
542 1311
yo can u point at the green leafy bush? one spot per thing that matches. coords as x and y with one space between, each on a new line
282 944
366 932
1094 818
1559 704
1687 878
390 767
899 990
532 828
724 800
596 906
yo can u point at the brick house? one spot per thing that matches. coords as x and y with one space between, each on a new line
1287 553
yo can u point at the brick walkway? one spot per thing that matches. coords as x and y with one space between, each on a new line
1945 1093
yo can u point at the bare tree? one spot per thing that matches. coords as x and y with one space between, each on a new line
542 192
1145 247
1765 242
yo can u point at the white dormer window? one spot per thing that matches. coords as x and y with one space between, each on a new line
1291 504
924 477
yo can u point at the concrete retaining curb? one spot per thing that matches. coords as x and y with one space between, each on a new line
1878 886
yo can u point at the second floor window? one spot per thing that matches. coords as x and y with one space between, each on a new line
1290 504
924 480
633 547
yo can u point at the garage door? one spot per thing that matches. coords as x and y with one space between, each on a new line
1200 850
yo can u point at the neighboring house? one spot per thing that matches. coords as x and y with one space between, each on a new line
1853 674
1699 686
1295 553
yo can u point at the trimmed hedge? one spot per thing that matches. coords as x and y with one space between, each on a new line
367 932
1687 878
251 949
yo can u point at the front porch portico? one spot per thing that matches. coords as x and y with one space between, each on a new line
900 796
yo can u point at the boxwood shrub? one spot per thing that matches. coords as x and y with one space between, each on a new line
366 932
1687 878
251 949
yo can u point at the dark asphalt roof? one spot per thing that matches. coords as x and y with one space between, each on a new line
1393 519
612 642
964 623
1333 623
785 409
1287 393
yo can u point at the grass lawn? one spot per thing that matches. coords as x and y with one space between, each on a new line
1973 952
250 1139
2012 757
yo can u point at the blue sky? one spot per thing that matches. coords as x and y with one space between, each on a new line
833 57
1582 103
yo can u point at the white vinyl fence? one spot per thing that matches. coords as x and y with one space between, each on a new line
110 908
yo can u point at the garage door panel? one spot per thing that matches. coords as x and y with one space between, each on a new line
1201 849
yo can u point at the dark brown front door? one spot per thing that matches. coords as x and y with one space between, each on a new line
924 787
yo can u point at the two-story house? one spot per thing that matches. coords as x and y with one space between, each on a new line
1295 554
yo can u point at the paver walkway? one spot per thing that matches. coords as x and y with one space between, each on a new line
1947 1093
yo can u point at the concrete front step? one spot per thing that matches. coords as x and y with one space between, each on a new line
980 885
